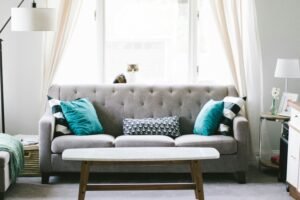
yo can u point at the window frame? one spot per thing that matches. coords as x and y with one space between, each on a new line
193 26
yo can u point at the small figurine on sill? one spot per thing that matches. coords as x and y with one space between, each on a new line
275 97
132 69
120 79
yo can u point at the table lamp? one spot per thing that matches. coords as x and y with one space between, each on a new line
26 19
287 68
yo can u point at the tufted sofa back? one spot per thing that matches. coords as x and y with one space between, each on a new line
113 103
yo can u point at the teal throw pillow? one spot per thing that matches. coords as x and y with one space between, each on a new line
81 117
209 118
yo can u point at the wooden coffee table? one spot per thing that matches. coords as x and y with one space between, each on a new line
141 155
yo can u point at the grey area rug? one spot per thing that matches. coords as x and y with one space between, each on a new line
260 186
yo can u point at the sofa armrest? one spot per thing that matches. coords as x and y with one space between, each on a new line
241 133
46 128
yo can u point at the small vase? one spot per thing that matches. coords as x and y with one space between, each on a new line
273 107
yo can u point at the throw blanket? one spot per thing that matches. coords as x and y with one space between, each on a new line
15 149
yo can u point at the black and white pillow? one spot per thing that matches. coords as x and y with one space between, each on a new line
61 124
168 126
232 106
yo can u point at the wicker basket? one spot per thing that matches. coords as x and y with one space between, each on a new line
31 158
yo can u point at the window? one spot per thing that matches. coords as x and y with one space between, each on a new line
163 37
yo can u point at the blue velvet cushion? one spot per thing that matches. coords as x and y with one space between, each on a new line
209 118
81 117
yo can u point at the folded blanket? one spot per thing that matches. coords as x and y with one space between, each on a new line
15 148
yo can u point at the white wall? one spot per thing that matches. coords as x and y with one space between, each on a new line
279 29
22 75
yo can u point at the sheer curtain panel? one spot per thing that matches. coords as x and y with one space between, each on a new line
237 25
55 43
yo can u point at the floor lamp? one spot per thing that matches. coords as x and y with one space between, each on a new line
25 19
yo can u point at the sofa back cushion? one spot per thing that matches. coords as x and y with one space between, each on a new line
113 103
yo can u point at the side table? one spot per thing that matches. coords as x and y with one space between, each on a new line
269 117
31 155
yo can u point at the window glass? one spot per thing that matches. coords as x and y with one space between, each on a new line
153 34
213 66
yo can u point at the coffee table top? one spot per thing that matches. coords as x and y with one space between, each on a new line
141 154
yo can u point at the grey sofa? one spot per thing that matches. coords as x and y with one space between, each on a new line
113 103
5 180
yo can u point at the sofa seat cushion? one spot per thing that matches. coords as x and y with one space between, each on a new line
224 144
59 144
144 141
4 158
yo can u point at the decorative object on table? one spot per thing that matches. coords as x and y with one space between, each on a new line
120 79
28 140
287 68
25 19
132 69
275 97
284 108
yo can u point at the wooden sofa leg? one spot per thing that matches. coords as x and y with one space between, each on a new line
1 195
240 177
45 178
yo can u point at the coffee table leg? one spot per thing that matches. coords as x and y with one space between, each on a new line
84 177
193 178
197 179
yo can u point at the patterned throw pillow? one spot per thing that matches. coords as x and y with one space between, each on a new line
232 106
61 124
168 126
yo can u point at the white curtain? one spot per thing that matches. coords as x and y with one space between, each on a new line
55 43
237 25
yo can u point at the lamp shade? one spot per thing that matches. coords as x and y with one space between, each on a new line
287 68
33 19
